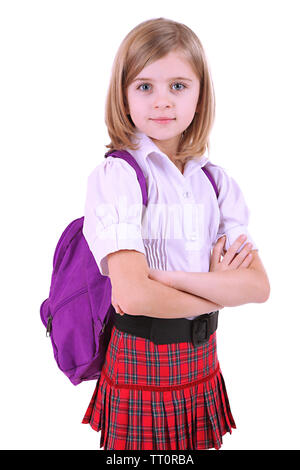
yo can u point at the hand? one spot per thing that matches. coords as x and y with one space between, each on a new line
230 260
116 305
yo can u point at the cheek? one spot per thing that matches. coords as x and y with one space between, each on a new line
187 107
131 99
134 103
193 102
138 110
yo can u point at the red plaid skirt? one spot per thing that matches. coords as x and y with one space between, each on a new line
159 396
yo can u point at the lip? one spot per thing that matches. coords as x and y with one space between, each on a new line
163 120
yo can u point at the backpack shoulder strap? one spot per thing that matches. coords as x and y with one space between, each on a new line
211 179
132 161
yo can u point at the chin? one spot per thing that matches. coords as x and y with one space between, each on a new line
162 134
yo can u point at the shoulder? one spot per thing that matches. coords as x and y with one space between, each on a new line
114 180
113 167
222 176
218 171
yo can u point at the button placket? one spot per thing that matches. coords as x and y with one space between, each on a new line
192 236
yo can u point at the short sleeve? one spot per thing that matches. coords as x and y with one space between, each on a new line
113 211
234 212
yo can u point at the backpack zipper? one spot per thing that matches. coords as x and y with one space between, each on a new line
83 290
49 326
50 318
61 304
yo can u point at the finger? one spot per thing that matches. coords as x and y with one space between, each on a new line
216 254
233 249
247 261
151 273
241 256
218 248
116 307
120 310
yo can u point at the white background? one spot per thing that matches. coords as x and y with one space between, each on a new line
56 58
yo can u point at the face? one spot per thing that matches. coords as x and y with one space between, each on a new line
158 92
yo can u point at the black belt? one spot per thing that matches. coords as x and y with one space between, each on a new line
169 330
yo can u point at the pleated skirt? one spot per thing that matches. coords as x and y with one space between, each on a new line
159 396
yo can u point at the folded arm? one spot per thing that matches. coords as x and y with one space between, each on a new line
228 288
137 294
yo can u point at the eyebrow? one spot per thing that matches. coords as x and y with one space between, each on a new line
172 78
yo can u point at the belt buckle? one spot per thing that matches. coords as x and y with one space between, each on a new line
199 331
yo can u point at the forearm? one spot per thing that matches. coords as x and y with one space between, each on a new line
155 299
228 288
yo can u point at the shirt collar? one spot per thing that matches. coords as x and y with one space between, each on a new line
147 147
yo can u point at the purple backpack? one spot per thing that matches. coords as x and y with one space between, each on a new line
78 314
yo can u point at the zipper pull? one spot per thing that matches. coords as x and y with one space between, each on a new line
49 326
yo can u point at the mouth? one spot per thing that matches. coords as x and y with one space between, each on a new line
163 120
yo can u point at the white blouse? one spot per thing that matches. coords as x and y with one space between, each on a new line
183 218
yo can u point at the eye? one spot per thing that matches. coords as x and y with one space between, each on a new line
175 83
143 84
181 84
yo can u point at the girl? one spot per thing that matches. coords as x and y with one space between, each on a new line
161 386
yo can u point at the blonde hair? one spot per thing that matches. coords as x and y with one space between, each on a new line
147 42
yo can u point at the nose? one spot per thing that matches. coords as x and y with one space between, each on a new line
161 100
